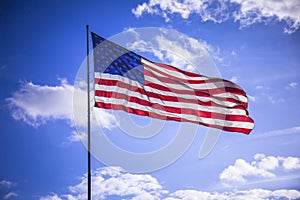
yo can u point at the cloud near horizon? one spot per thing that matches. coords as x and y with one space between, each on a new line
113 182
262 167
218 11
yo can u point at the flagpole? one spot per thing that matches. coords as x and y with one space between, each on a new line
88 112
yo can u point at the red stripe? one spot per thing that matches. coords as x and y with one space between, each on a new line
208 80
175 78
170 109
177 99
235 89
202 93
231 89
240 105
218 90
158 116
169 67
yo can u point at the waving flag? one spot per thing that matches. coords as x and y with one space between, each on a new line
127 81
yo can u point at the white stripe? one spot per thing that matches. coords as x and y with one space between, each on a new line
105 76
174 73
233 96
194 86
171 94
194 106
184 86
206 85
134 105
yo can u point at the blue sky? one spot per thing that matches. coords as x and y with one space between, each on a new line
253 44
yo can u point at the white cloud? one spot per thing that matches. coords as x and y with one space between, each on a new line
177 50
275 100
77 136
37 104
259 87
190 49
254 194
6 184
292 85
51 197
233 53
112 181
234 79
240 170
184 8
251 98
10 195
291 163
193 195
266 163
264 11
245 12
266 93
262 167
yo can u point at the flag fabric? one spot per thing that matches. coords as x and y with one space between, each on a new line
127 81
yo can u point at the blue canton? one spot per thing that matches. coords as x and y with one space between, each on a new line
113 59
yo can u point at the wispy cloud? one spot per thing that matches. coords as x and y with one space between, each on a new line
218 11
110 182
275 100
281 132
271 94
259 87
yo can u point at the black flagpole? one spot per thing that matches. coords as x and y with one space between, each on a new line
89 112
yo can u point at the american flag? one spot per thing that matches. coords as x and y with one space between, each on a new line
127 81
